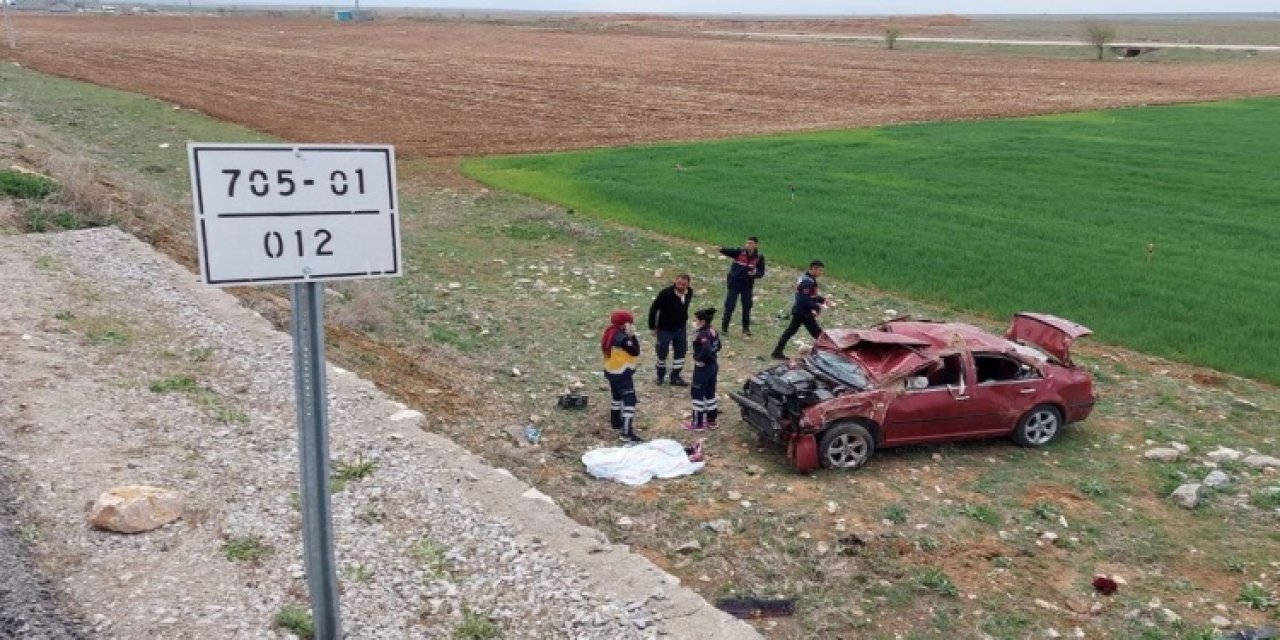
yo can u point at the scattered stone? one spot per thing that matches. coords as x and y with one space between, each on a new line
937 457
1187 496
1163 454
1258 461
1223 454
1220 622
1170 616
455 285
406 415
1181 448
1049 537
734 495
1052 633
625 523
719 525
822 548
1044 604
515 373
135 508
1216 478
831 507
1241 403
688 547
754 470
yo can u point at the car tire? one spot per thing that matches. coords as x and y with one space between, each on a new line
845 445
1039 426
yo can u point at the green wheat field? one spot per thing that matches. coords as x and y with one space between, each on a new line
1158 227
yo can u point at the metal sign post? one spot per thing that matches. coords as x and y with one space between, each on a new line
313 448
271 214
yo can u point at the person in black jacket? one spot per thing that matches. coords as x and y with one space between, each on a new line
669 317
706 344
748 266
805 308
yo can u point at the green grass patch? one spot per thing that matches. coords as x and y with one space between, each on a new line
246 549
296 620
26 186
431 555
475 626
1051 213
349 471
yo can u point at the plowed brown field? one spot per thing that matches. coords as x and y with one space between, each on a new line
447 89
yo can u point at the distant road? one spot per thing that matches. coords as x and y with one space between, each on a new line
1019 43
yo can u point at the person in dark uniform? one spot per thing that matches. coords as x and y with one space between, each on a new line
805 308
706 344
747 267
669 317
621 350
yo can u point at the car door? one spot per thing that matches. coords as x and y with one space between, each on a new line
1005 389
935 410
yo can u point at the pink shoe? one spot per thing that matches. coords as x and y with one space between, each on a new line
690 426
695 452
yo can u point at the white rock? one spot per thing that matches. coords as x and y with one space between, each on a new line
455 285
534 494
1220 622
1049 536
1163 454
625 523
406 414
515 372
1181 448
1223 454
1216 478
1187 496
135 508
700 251
1169 616
1258 461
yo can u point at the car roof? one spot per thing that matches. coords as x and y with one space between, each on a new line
941 336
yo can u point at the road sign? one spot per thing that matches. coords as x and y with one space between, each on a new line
278 213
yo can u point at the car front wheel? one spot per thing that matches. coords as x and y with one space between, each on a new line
1039 426
845 445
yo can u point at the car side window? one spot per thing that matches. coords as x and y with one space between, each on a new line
992 367
951 373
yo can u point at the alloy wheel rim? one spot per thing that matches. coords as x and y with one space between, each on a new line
1041 427
847 451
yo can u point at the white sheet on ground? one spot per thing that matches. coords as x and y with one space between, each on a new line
637 464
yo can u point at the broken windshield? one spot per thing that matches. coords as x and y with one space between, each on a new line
843 370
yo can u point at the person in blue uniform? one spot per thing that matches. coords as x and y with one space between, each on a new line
669 319
621 348
706 367
805 307
747 267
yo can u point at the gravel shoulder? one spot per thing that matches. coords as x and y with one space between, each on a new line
94 319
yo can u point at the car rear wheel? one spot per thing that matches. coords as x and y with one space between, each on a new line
1039 426
845 445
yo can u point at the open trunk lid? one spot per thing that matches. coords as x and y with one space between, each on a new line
1051 334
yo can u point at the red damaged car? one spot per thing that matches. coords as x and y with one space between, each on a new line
916 382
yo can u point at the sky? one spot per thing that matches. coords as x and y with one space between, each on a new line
858 7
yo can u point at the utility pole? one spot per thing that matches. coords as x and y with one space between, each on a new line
8 25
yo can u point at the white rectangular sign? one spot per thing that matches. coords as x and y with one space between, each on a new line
278 213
